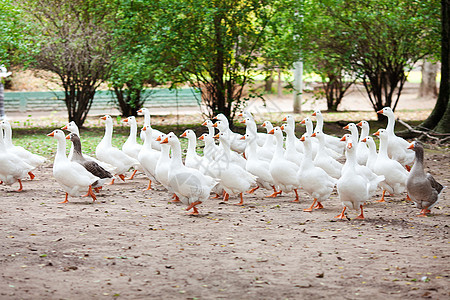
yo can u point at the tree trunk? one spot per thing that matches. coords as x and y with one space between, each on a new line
2 102
279 85
439 117
428 87
268 84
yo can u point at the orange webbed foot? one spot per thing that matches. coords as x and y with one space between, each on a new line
253 190
132 175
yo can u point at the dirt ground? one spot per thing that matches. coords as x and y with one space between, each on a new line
135 244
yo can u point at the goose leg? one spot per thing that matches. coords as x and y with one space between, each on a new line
275 193
407 198
149 187
132 175
242 200
216 196
192 205
91 193
20 183
382 197
175 198
342 215
121 176
65 200
253 190
318 206
361 216
296 196
112 181
97 189
31 175
312 205
423 212
226 196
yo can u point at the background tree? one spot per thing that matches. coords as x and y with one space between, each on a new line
72 40
320 43
439 119
216 46
388 38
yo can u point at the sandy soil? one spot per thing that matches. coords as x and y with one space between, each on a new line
132 244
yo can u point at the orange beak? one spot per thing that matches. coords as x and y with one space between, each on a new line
359 124
103 118
204 123
64 128
411 146
166 140
343 139
215 125
346 127
271 132
139 111
284 119
216 136
302 139
377 133
51 134
215 118
144 128
184 134
380 111
125 120
243 137
68 137
201 138
314 114
158 139
313 135
282 127
243 121
240 115
364 140
303 122
349 145
263 125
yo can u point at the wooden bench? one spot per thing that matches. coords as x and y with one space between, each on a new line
54 101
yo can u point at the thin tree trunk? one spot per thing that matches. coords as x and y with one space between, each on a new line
2 101
428 87
279 85
439 117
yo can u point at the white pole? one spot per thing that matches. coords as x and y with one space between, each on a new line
298 86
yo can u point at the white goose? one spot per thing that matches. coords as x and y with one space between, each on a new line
263 153
394 173
233 178
353 189
236 144
73 128
111 155
162 166
192 160
314 180
251 125
331 142
361 152
148 157
369 174
291 152
191 186
28 157
234 156
323 160
397 147
283 171
12 168
155 133
131 146
73 177
259 168
290 120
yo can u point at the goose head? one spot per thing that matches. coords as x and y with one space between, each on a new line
130 120
72 127
267 125
189 133
170 139
387 111
108 120
57 134
382 134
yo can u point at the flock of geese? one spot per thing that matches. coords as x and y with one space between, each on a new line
239 163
